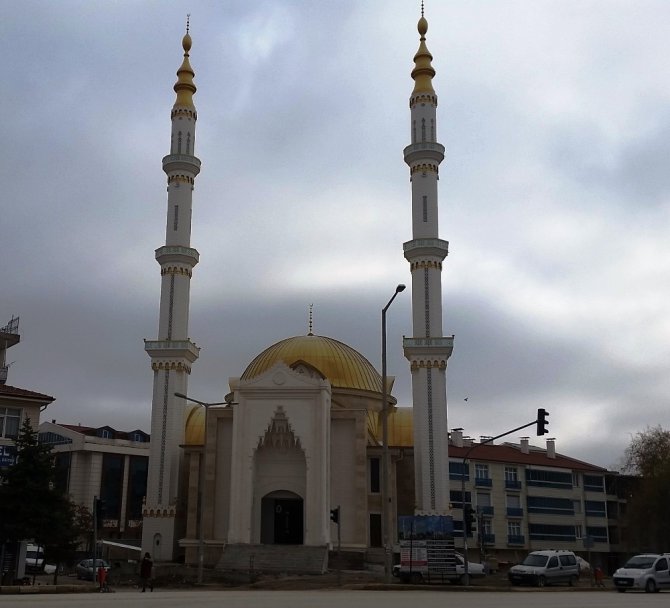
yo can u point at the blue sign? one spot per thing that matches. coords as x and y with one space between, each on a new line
425 527
7 456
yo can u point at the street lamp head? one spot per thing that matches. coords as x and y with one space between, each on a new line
181 395
400 288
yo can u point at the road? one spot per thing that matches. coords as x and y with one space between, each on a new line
338 599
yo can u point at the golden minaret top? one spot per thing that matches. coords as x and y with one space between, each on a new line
423 71
184 86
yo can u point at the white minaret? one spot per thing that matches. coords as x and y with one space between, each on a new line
427 351
173 352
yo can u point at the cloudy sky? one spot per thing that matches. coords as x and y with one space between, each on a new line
554 196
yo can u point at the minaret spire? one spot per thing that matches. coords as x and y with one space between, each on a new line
172 353
184 86
427 350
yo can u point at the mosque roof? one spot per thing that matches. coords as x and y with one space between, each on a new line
343 366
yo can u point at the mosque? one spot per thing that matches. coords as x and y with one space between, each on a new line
298 442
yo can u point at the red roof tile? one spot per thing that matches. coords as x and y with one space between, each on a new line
12 391
512 454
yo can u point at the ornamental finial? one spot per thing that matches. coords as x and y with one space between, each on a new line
311 320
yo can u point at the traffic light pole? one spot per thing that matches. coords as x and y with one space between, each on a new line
541 423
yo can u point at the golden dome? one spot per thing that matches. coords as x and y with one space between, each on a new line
194 428
343 366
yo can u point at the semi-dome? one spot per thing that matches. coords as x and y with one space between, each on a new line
343 366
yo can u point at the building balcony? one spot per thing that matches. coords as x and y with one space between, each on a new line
488 539
512 484
514 512
483 482
487 510
516 540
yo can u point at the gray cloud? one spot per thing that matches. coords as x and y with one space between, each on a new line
554 197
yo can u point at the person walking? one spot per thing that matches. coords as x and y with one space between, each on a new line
102 579
146 567
599 575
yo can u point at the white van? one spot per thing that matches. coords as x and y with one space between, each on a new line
34 558
542 568
650 571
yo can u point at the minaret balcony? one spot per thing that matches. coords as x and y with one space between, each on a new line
172 349
428 346
417 248
424 150
177 254
178 163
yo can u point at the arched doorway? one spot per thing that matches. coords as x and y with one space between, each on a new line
282 518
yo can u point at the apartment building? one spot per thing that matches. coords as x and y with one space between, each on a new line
102 462
529 498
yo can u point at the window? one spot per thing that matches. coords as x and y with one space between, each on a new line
567 560
10 421
550 505
456 499
595 508
458 470
51 438
597 533
594 483
514 536
578 531
512 478
661 565
374 475
553 562
513 528
111 484
137 486
575 480
482 475
484 503
549 479
514 508
511 474
375 530
550 532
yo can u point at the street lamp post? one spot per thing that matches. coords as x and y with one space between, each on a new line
201 473
386 496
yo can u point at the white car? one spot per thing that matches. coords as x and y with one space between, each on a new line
650 571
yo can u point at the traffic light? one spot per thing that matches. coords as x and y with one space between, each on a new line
469 519
99 511
335 515
542 421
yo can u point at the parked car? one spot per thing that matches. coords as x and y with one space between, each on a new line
542 568
649 571
84 569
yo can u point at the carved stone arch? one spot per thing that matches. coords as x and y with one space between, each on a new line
279 433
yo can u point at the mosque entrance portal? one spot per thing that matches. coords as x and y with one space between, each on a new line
282 519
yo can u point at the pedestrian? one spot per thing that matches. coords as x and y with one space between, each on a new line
599 575
146 567
102 579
